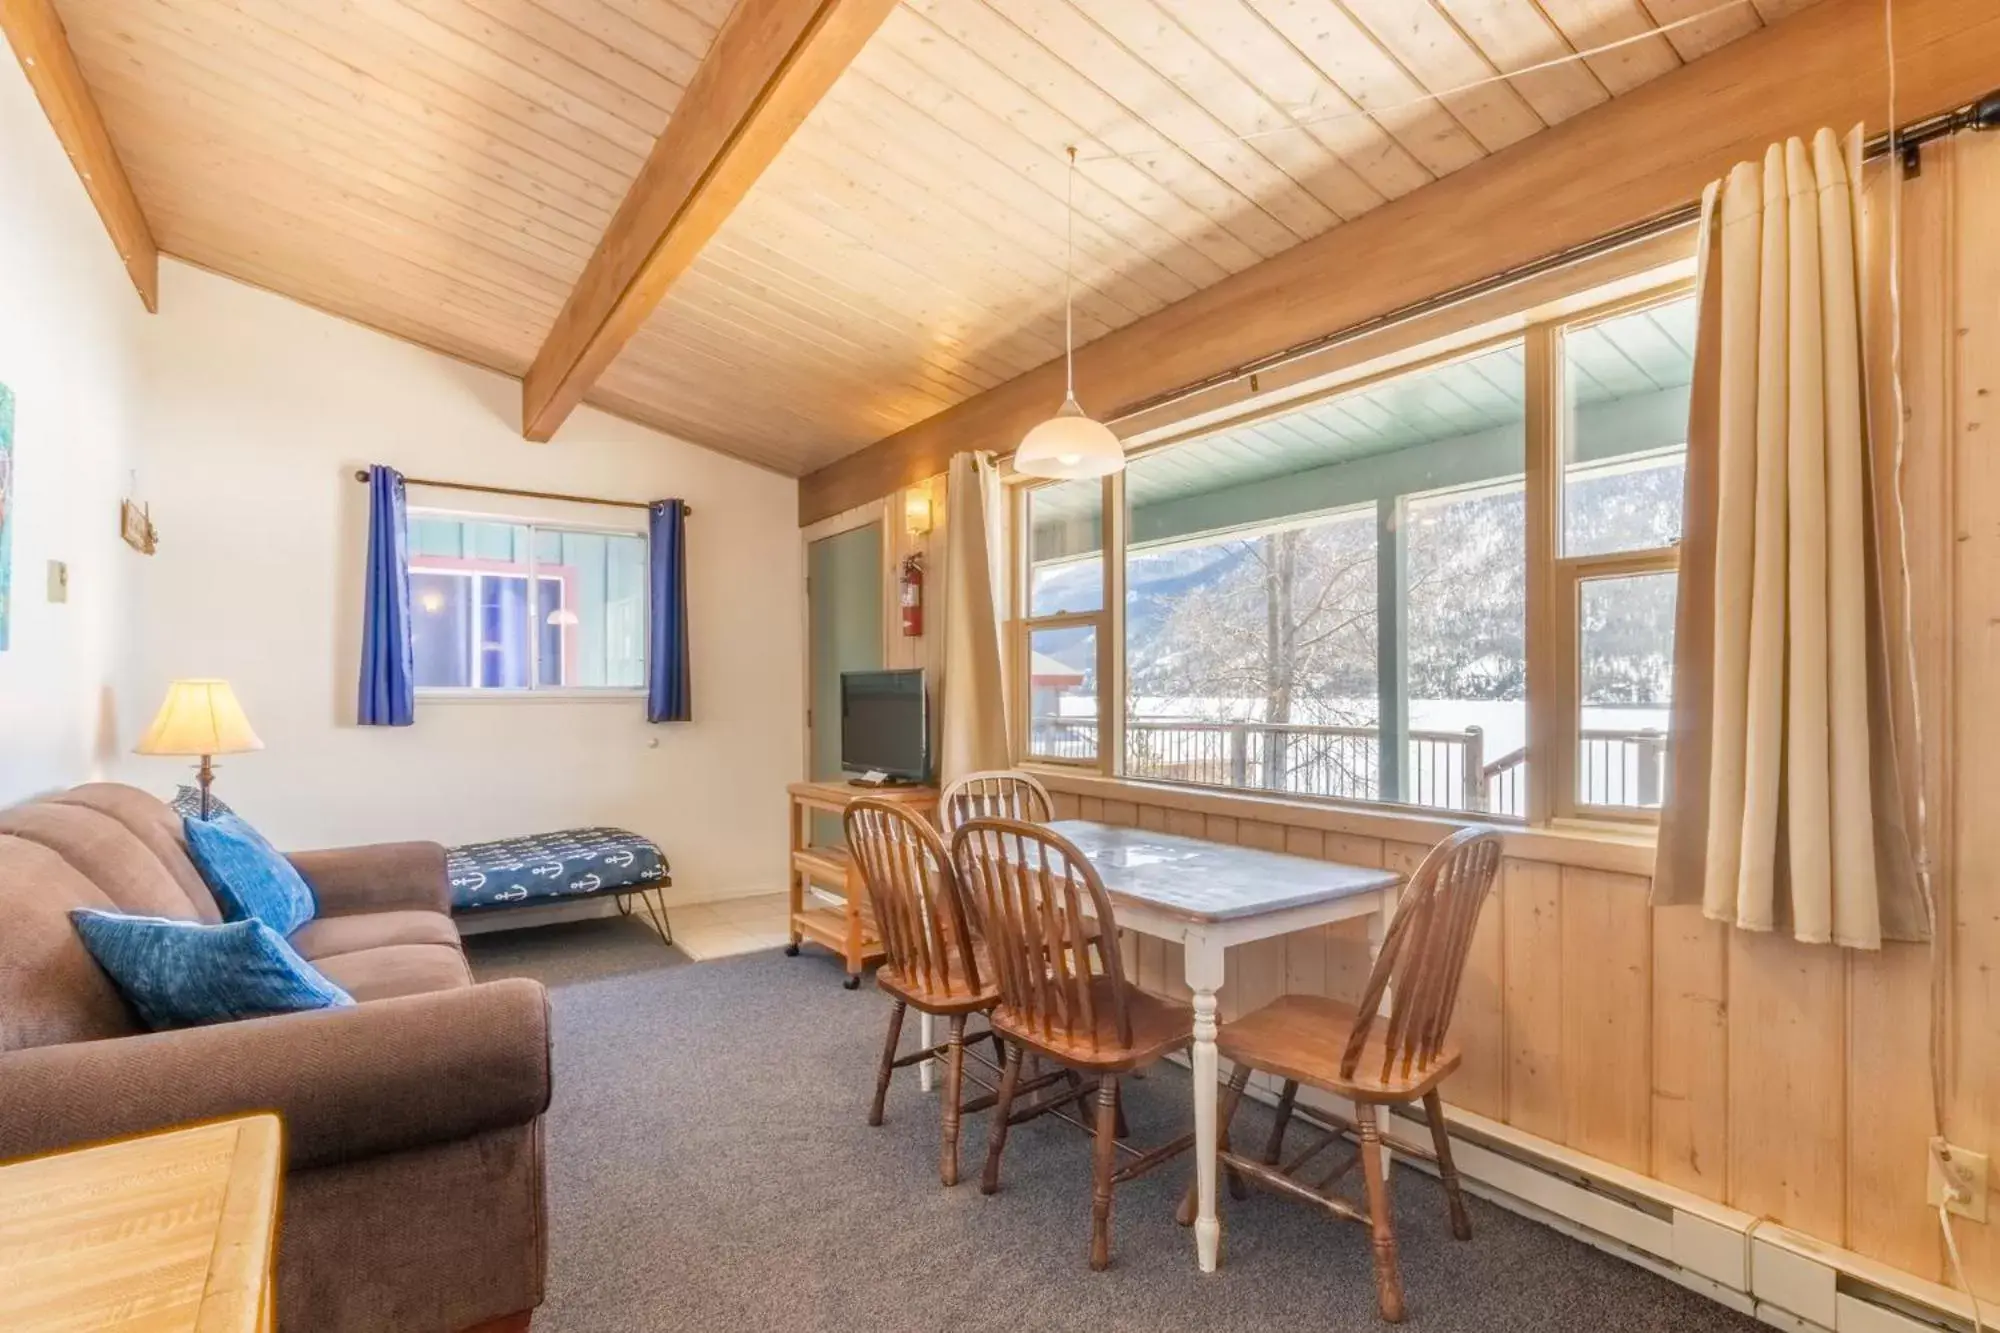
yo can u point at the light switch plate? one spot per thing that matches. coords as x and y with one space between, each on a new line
58 581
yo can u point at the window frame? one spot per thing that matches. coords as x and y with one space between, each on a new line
1561 625
534 691
1553 585
1022 627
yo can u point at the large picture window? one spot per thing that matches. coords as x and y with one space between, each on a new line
476 624
1337 599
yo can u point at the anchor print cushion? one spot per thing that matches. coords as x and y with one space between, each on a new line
574 863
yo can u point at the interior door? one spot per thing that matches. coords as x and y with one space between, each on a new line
844 616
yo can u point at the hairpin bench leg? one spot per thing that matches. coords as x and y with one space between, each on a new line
656 908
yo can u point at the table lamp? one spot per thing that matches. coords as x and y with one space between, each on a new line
199 717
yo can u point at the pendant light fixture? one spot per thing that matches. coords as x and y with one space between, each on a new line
1069 444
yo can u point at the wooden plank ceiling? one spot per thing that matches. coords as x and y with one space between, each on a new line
442 169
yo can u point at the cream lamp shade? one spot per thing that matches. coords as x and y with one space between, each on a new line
1069 445
199 717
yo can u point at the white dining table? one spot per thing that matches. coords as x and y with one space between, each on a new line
1208 897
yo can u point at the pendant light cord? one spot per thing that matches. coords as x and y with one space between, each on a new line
1069 280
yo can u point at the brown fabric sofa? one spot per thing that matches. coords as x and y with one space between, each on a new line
413 1196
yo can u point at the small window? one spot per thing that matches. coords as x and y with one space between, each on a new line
1626 385
1062 693
1626 635
1066 548
496 605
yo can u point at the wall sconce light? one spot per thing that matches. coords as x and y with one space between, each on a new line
917 510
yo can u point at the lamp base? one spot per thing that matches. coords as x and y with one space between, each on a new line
205 775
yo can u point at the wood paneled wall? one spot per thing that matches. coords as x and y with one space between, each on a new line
1781 1079
1785 1080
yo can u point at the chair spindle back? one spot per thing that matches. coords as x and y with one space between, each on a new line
1423 958
994 794
919 910
1040 904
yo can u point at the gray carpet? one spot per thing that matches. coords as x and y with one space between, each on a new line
710 1168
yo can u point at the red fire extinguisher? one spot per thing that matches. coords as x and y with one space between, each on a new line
911 594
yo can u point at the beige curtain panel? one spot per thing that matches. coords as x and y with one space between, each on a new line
972 717
1785 807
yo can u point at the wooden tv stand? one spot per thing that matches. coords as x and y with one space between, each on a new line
848 930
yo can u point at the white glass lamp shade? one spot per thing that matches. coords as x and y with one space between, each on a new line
1069 445
199 717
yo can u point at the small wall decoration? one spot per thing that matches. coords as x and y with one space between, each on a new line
135 525
6 513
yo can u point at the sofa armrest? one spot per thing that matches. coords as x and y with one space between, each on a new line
349 1083
382 877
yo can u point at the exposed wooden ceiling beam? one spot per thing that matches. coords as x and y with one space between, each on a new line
1635 157
771 63
40 44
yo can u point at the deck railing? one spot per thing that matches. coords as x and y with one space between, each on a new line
1446 770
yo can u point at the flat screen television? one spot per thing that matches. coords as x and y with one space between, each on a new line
885 724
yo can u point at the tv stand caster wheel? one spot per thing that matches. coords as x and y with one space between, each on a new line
791 951
852 983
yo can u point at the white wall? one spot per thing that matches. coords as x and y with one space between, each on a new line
257 413
68 316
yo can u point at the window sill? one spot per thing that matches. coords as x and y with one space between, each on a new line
1620 848
571 696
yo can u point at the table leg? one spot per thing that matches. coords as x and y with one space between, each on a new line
1204 978
926 1038
1378 935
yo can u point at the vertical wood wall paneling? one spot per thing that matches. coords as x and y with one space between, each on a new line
1888 993
1479 1023
1787 1083
1305 950
1532 1001
1690 1052
1607 956
1973 1118
1345 945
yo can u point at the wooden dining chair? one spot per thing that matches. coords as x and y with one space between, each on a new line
932 960
1041 906
1000 793
1371 1058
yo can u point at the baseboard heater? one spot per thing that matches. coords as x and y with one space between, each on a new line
1781 1277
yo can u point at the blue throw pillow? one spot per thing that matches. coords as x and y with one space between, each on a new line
250 878
180 973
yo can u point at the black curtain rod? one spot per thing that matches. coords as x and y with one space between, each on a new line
687 510
1908 142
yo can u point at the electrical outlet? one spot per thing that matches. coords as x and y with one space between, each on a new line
58 581
1957 1179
